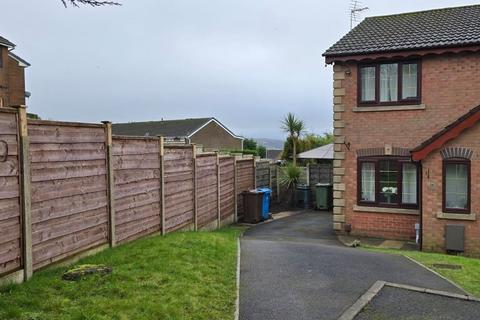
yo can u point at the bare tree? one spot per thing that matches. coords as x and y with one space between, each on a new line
93 3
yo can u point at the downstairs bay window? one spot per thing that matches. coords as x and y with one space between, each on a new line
387 182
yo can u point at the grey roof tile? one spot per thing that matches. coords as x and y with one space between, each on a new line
5 42
448 27
167 128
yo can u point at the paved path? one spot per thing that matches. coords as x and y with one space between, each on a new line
294 268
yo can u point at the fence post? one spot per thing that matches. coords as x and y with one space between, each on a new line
235 195
270 176
278 182
308 174
25 195
161 154
110 184
254 173
195 206
219 216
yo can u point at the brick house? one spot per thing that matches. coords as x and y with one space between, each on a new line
12 75
407 136
208 133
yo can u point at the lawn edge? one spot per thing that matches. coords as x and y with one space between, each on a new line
237 300
439 275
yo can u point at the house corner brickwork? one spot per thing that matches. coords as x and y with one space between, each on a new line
339 153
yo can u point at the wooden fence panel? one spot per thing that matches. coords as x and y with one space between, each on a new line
245 180
68 189
207 196
262 172
179 187
137 187
10 221
321 173
227 187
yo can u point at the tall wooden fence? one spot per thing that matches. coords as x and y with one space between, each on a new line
72 188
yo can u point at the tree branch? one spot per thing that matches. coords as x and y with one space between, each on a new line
93 3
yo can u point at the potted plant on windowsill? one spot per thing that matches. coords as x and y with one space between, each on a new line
389 192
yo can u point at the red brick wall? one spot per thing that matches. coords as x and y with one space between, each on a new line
433 227
450 87
12 80
16 82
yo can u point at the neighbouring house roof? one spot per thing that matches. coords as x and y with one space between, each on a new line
6 43
448 133
21 62
323 152
439 28
182 128
274 154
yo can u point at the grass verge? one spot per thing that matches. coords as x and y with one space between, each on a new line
468 277
184 275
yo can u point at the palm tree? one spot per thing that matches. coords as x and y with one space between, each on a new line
294 127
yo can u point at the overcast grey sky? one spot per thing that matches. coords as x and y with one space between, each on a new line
246 62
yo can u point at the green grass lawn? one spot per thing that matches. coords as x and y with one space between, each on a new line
189 275
468 277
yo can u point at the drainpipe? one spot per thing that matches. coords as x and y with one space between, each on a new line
420 205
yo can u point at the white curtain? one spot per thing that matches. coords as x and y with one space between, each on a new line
456 186
409 81
368 83
409 183
368 182
388 82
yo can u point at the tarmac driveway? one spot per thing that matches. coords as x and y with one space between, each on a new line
294 268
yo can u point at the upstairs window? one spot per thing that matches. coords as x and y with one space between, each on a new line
387 182
389 83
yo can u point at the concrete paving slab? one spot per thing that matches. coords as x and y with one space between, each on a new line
397 303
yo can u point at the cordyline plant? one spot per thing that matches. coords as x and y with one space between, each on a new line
93 3
289 178
294 127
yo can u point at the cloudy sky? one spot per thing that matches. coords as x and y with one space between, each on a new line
246 62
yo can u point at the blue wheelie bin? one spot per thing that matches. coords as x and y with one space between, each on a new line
267 194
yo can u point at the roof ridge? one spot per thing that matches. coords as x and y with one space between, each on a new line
423 11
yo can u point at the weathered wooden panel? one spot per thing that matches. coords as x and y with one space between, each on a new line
207 196
262 173
179 188
136 164
321 173
51 152
227 187
46 132
68 189
245 180
10 221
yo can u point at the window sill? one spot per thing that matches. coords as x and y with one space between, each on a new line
389 108
457 216
386 210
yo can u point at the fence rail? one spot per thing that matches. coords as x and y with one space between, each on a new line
71 188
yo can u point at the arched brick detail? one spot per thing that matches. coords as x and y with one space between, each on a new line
380 151
456 152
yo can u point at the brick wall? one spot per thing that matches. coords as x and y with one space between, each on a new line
433 226
450 87
12 81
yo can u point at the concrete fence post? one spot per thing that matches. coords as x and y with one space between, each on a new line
25 194
195 203
110 184
219 217
161 155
